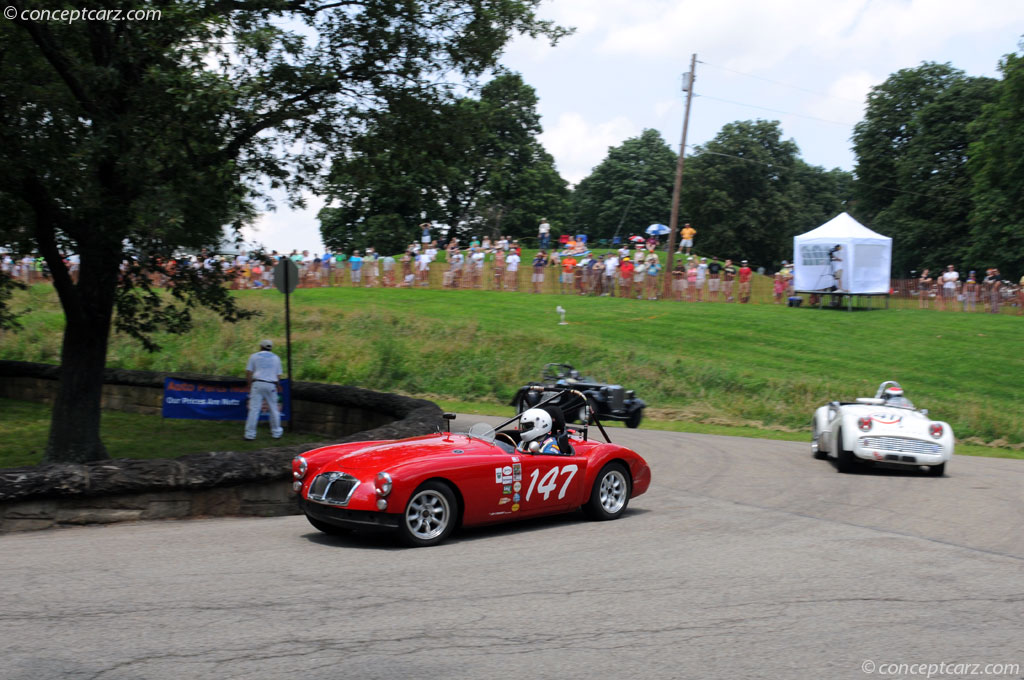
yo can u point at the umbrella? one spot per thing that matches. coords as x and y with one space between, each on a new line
636 239
657 229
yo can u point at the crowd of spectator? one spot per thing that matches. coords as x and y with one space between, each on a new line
950 292
634 269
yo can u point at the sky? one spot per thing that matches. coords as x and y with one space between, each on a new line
806 63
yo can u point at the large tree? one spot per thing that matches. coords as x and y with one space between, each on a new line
473 163
127 141
747 192
629 190
996 166
912 181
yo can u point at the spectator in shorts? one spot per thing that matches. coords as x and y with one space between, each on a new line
950 278
388 263
691 279
702 276
512 270
597 276
924 289
539 262
686 245
371 268
993 286
971 292
476 262
651 276
499 266
728 278
745 275
778 287
568 268
626 270
714 279
355 265
423 266
424 235
611 270
679 279
406 263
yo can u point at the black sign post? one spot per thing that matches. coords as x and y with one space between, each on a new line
286 278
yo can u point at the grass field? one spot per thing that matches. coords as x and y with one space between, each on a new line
752 366
130 435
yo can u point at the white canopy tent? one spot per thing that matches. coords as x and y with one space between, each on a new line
861 266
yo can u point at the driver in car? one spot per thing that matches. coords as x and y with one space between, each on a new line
893 396
535 432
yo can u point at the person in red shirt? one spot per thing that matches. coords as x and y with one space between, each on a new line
568 265
744 274
626 272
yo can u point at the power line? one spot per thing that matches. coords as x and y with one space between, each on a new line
787 113
776 82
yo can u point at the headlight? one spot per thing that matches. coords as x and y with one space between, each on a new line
935 430
864 423
383 484
299 467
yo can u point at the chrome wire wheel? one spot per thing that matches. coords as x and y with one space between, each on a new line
428 515
614 491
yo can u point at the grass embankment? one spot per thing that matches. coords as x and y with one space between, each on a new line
714 365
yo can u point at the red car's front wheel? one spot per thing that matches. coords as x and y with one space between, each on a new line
430 515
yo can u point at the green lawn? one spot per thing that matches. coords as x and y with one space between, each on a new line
130 435
763 367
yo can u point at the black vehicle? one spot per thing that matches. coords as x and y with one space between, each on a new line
608 402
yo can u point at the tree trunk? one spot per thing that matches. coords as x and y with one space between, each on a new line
88 306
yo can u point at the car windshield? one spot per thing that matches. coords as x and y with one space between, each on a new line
899 402
482 431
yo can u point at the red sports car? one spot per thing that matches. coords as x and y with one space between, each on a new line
424 487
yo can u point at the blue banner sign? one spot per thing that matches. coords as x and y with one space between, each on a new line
215 400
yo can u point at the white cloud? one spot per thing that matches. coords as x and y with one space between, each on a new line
579 145
286 229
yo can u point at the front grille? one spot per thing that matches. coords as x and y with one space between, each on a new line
616 396
334 488
900 445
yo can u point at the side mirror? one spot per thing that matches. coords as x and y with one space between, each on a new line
449 417
924 411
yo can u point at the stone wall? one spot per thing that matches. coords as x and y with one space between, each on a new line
205 484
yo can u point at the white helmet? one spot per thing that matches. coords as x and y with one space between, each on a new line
534 424
892 391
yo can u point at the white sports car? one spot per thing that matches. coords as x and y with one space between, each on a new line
885 428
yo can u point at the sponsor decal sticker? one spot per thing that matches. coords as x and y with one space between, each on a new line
517 486
504 500
497 475
516 498
515 459
507 470
515 507
506 489
506 480
517 472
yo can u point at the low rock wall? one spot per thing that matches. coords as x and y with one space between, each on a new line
198 485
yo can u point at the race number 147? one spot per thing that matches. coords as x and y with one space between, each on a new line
549 481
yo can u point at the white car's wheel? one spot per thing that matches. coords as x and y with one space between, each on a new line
937 470
845 460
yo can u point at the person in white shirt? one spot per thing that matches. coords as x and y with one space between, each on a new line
611 266
263 377
423 266
512 270
950 279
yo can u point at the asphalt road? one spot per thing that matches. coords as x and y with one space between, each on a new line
746 559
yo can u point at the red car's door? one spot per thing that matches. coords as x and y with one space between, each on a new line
550 483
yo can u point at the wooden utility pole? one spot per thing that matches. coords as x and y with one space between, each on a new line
673 224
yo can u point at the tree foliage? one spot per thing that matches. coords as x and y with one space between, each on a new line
747 192
996 167
629 190
127 142
474 164
912 175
